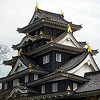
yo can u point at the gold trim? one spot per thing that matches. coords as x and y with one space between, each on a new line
41 33
37 67
68 88
56 71
37 7
42 16
20 52
30 66
27 34
61 13
51 40
18 84
61 70
69 28
89 48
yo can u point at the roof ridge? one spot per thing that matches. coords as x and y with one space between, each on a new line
48 12
85 53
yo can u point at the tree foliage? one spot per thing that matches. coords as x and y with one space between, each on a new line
3 51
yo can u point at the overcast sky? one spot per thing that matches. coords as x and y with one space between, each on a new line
18 13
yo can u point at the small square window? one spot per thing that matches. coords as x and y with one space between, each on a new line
58 57
74 86
35 77
26 78
5 86
15 82
46 59
54 87
43 89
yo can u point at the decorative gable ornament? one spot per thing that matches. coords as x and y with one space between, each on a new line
20 52
30 66
41 33
37 7
62 13
89 48
69 28
68 88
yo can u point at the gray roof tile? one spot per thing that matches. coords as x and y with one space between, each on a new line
93 84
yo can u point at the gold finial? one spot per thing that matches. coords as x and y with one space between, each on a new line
30 66
61 13
56 71
20 52
51 41
68 88
37 7
67 72
27 34
14 95
41 33
49 18
37 67
89 48
18 84
69 28
61 70
25 88
42 16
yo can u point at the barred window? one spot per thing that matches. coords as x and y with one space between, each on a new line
54 87
43 89
46 59
35 77
58 57
74 86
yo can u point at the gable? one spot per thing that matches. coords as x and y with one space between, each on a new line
19 66
69 40
88 65
15 91
25 39
34 18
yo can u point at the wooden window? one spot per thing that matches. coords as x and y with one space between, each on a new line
5 86
21 79
46 59
31 77
10 84
35 77
26 78
58 57
15 82
54 87
1 86
43 89
74 86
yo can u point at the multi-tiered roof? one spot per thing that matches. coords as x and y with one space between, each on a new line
51 63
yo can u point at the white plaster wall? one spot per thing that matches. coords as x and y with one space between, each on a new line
20 68
85 68
72 42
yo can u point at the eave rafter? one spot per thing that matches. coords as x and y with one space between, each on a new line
43 21
26 39
22 73
57 75
54 46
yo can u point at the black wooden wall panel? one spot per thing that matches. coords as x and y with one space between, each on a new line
48 31
62 86
53 64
